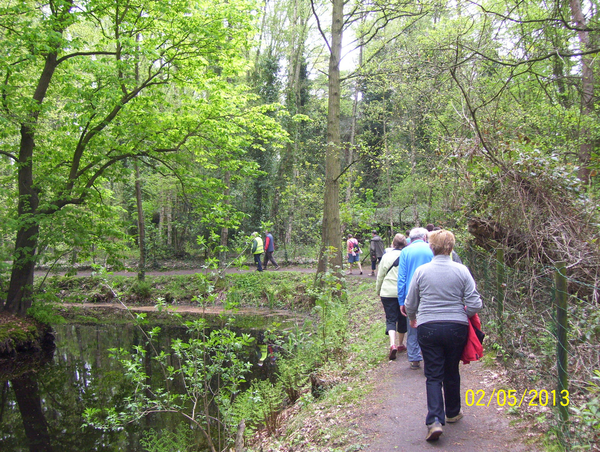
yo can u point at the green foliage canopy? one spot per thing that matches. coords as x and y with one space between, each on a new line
88 85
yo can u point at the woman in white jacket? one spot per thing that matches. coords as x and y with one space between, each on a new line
387 289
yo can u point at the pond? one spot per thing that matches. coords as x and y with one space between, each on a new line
42 409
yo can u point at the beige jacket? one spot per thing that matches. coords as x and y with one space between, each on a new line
387 282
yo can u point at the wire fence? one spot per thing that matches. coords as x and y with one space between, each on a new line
545 327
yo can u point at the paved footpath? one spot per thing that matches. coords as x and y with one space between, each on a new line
395 419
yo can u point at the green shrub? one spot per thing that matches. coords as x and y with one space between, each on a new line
587 415
181 440
209 365
260 406
45 312
142 289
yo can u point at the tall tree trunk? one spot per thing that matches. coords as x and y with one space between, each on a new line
388 177
141 223
351 144
586 145
225 229
353 127
20 289
161 215
169 208
296 57
330 253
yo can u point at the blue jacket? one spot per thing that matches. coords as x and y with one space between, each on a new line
269 246
412 257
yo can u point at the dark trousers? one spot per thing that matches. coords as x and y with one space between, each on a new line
374 262
394 319
257 262
442 345
269 257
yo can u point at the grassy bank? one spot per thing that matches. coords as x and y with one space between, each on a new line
285 290
337 388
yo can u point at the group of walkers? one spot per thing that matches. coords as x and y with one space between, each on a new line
376 251
429 297
258 248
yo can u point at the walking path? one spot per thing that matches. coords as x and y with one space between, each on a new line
395 419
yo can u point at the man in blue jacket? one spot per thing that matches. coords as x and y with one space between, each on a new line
413 256
269 249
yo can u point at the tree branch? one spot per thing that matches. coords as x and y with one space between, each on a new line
9 155
349 166
316 16
77 54
553 21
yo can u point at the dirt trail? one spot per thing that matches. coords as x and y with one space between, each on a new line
394 419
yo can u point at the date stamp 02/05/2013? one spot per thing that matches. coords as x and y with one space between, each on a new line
514 398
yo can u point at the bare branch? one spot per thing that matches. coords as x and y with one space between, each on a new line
78 54
316 16
551 21
349 166
8 154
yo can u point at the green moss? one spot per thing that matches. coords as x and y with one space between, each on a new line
13 334
15 331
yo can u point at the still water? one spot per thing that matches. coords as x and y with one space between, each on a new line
42 409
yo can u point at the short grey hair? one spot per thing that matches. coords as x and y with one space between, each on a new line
418 233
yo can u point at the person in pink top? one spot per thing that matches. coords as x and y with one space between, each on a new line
353 253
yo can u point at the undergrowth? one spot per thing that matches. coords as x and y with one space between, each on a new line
323 379
286 290
522 334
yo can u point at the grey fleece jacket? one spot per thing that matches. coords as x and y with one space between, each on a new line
439 292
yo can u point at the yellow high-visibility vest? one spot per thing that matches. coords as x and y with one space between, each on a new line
259 246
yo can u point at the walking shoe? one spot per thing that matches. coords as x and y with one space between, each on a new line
393 351
434 431
361 273
277 268
456 418
414 365
372 274
401 348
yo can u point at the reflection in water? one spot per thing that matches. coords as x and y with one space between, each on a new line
30 406
43 410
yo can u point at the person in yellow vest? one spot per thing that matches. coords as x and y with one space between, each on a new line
257 250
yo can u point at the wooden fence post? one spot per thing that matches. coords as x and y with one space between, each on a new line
561 333
500 288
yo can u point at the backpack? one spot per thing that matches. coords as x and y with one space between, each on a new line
356 248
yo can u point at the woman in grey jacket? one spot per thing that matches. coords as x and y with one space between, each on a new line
441 298
387 289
